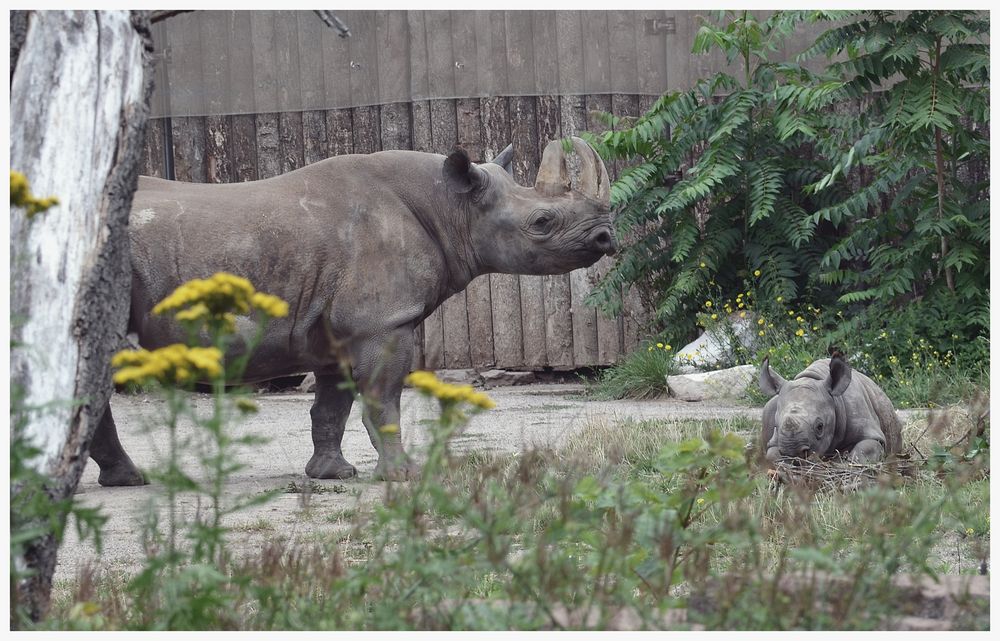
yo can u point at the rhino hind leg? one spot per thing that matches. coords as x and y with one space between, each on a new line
117 468
381 367
867 451
331 407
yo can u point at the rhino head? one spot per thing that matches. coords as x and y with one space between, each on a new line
805 414
550 228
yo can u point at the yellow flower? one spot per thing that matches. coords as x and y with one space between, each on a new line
800 332
715 316
708 303
969 531
667 347
756 272
246 406
700 501
799 319
650 348
429 384
779 299
175 364
660 345
702 265
760 333
21 196
760 321
270 305
743 314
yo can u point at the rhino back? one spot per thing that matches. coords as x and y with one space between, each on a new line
329 238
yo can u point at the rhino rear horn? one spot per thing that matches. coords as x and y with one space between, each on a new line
594 180
770 381
460 173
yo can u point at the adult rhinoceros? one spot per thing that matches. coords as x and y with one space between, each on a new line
363 248
827 409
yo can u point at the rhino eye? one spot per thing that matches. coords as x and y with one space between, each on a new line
541 223
819 428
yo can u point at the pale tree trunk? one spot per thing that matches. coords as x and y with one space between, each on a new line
79 100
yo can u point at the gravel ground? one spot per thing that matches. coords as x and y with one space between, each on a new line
536 415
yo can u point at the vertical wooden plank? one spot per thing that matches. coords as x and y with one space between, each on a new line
545 47
336 69
440 59
187 91
573 118
152 150
524 134
463 47
395 125
340 131
569 47
596 61
393 45
189 148
315 146
268 145
265 79
312 76
491 54
505 296
651 55
417 54
609 330
478 300
623 53
243 148
286 65
520 54
214 63
556 289
218 134
429 336
454 311
290 140
238 36
366 129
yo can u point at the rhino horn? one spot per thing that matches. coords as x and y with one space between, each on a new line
505 157
554 175
594 180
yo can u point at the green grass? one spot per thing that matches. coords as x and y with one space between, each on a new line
643 374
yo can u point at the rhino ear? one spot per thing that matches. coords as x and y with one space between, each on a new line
770 381
840 375
460 174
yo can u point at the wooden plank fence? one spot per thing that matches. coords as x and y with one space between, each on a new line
501 320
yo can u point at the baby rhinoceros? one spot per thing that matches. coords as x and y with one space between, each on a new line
828 409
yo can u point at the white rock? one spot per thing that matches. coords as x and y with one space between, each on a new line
308 384
729 383
715 347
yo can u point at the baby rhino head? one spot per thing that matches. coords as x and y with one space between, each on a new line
805 416
550 228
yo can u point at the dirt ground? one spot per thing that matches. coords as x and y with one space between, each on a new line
535 415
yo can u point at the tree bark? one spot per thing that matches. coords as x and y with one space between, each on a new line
80 88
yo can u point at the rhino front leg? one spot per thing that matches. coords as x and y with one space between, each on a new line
105 448
381 367
867 451
331 407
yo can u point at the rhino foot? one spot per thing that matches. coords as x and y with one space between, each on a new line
123 473
396 470
330 466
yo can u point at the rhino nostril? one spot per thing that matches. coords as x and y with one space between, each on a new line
604 241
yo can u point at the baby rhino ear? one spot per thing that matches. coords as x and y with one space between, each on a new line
840 375
770 381
460 173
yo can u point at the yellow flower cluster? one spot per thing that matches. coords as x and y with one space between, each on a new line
429 384
21 196
217 297
665 347
175 364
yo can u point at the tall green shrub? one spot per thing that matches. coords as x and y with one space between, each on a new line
861 188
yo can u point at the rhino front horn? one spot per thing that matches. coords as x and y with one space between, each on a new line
554 176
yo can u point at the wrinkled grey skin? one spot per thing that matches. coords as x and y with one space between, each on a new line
828 409
363 248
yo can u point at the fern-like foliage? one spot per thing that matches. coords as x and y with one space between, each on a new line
863 185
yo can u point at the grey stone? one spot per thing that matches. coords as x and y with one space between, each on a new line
501 377
729 383
308 384
457 376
